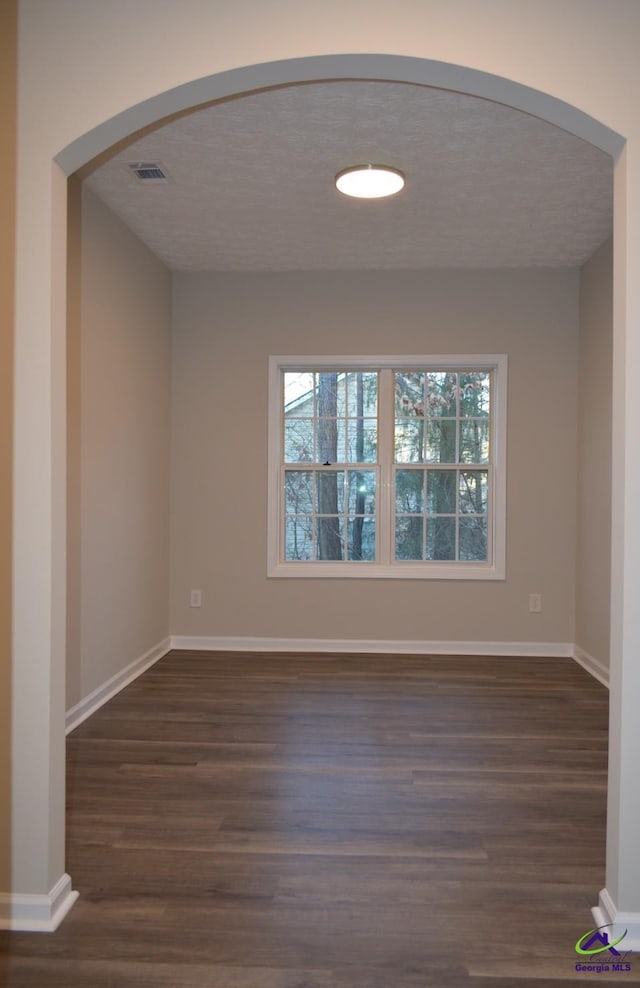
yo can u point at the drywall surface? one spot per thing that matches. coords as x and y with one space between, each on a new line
226 326
593 559
119 429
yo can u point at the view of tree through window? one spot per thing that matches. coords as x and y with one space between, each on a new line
330 420
442 419
390 466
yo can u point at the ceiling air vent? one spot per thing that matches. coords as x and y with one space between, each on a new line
149 171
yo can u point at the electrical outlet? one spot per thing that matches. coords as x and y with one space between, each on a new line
196 598
535 603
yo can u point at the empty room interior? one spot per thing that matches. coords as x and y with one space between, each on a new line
182 289
339 777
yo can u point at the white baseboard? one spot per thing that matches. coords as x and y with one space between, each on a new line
37 913
99 696
593 666
350 645
607 914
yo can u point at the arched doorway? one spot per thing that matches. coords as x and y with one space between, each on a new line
194 93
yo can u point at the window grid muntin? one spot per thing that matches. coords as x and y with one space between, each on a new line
344 384
344 513
419 411
425 515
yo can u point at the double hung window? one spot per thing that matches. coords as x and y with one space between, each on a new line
388 467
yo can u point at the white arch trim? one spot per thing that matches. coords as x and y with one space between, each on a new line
44 910
318 68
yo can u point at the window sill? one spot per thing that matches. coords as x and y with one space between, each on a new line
376 571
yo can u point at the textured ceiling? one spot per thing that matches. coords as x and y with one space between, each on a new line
251 184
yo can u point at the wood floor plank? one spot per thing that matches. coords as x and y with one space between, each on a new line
293 821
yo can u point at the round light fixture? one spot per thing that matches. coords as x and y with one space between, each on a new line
369 181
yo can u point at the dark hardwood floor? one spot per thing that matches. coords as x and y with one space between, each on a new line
284 821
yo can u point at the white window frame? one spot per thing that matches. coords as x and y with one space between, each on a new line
493 569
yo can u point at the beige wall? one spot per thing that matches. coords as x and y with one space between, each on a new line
118 438
593 563
590 52
7 232
225 327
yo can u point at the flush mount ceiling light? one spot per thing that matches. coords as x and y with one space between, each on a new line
369 181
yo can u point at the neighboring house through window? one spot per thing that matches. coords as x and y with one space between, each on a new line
387 467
